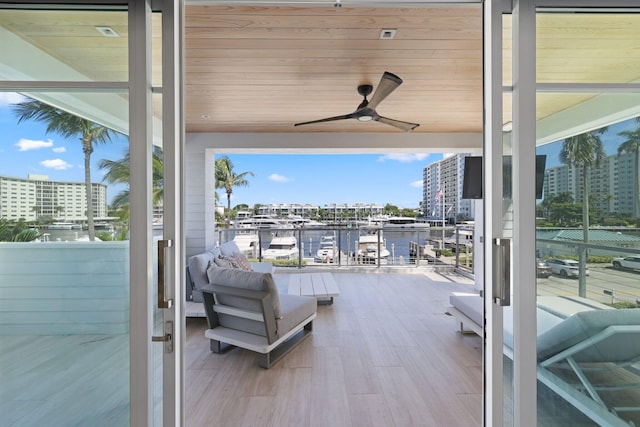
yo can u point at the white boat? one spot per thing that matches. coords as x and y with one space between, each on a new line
367 246
261 221
327 249
63 226
281 247
299 221
247 241
464 239
396 222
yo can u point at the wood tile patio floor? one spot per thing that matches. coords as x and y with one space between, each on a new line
384 354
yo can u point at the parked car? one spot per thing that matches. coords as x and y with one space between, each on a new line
542 269
632 262
565 267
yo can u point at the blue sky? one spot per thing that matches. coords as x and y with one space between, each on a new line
610 142
286 178
27 148
327 178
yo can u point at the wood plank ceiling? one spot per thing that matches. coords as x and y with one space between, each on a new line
262 69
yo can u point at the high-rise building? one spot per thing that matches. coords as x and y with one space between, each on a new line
37 197
612 184
442 189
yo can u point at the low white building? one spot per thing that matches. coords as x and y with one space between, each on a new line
37 196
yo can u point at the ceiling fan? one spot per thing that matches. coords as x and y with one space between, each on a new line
366 111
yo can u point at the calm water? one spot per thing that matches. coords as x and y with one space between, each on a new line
397 241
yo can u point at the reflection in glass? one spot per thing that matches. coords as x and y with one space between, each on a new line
64 45
65 287
569 44
588 317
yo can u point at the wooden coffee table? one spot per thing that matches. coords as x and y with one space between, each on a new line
318 285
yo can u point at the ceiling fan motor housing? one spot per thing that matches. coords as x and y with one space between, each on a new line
365 90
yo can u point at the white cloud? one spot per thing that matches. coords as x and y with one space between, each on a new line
404 157
417 184
278 178
9 98
57 164
30 144
59 149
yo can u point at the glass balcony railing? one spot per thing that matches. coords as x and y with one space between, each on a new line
606 272
332 247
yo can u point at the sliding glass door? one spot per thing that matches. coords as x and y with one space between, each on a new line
64 266
588 217
562 214
76 213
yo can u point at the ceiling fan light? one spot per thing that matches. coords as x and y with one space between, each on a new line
365 118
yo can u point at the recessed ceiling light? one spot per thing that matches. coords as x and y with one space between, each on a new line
107 31
205 116
387 33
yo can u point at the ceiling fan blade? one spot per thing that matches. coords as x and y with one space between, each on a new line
328 119
398 123
388 83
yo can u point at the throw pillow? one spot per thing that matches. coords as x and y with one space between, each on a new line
233 262
242 262
223 262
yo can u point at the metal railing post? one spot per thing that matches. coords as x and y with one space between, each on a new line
300 250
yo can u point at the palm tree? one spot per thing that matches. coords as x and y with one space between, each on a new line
118 172
69 125
632 145
583 152
16 231
226 178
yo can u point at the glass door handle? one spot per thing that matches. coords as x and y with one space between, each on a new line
167 338
502 272
162 302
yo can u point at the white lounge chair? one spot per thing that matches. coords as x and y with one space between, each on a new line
592 360
588 353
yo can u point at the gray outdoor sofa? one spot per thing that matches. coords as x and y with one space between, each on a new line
245 309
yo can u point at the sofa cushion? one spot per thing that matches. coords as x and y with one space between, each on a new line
229 248
216 252
223 262
295 308
198 265
238 278
262 267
